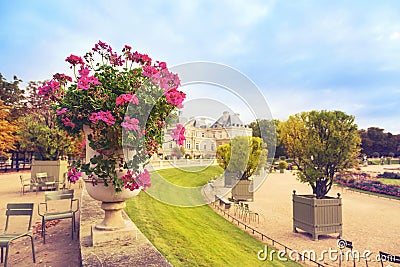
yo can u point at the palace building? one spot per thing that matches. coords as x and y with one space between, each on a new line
202 137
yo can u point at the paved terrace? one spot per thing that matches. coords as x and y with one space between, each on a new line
60 250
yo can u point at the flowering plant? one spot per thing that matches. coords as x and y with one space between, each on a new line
122 102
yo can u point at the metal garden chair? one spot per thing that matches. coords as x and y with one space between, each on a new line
61 213
16 209
28 182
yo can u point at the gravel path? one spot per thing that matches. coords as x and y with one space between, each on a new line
59 250
371 223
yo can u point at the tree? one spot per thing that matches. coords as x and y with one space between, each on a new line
12 96
266 129
243 155
321 144
7 131
39 133
376 141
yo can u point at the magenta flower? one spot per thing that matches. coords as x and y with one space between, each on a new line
61 111
178 134
73 175
74 60
133 180
130 124
126 98
175 97
67 122
104 116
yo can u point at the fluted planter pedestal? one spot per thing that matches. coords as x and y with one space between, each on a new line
112 204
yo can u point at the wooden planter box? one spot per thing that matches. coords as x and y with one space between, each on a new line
317 216
243 190
56 168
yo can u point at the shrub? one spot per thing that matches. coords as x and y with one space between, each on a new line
283 165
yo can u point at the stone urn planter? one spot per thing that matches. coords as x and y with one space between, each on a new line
243 190
111 203
317 216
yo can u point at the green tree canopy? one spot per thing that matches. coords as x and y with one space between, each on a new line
39 133
12 96
244 155
321 144
266 130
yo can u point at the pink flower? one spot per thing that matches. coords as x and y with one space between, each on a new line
133 180
67 122
74 60
126 98
175 97
104 116
178 134
73 175
84 71
130 124
61 77
149 71
61 111
51 87
85 81
141 58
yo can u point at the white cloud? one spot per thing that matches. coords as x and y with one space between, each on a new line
394 36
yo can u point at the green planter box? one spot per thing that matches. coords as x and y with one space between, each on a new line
317 216
243 190
56 168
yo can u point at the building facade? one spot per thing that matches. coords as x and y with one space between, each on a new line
202 137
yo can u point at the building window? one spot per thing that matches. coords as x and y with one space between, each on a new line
213 135
188 144
220 136
202 134
197 146
212 147
170 145
205 147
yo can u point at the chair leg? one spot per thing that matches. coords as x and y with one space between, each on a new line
5 260
44 231
72 228
33 249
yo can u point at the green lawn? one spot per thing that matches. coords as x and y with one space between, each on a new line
389 181
194 236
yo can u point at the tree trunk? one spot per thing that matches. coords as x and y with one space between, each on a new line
320 189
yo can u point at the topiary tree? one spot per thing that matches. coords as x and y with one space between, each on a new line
283 165
321 144
243 155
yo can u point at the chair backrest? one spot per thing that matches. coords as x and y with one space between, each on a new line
19 209
41 175
58 195
386 257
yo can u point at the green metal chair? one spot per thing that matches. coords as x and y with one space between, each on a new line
28 182
68 212
44 180
16 209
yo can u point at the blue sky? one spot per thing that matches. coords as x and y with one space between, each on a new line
302 54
